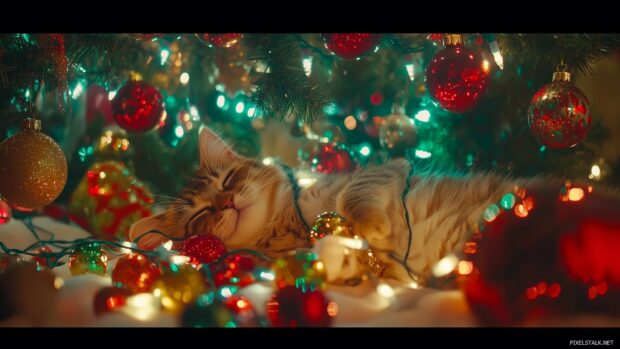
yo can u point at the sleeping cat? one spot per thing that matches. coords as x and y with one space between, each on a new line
250 205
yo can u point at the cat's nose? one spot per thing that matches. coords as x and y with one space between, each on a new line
228 202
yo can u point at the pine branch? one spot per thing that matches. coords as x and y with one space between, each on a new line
578 51
284 88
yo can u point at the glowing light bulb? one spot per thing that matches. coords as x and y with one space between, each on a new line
239 108
410 71
497 55
422 154
423 115
307 63
445 266
164 54
184 78
221 101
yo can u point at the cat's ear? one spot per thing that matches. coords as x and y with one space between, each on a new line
213 149
145 227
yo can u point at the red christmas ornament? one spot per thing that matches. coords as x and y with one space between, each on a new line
457 77
203 248
220 40
135 272
291 307
559 113
351 45
551 255
333 158
109 299
137 106
234 270
41 260
5 212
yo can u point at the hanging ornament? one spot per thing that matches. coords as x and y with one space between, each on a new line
201 314
570 236
109 200
291 307
135 272
351 45
110 299
559 113
220 40
53 46
27 293
114 144
333 158
398 133
301 269
237 270
179 285
33 168
43 259
5 212
203 248
137 106
90 257
330 223
457 77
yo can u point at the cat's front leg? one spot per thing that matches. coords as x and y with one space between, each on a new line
366 199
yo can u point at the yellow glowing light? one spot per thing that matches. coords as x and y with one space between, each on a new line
410 71
575 194
142 306
178 259
102 175
465 267
268 161
111 95
595 172
184 78
126 247
350 123
332 309
414 285
445 266
58 282
319 266
352 243
168 245
385 290
241 304
485 65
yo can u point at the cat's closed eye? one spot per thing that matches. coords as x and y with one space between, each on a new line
226 183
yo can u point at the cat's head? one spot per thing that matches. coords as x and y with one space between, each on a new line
230 196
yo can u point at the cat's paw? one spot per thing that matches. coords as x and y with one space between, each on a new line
375 228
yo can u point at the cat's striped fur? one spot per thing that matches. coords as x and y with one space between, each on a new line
250 205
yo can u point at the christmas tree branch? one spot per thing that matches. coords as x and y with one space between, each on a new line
283 88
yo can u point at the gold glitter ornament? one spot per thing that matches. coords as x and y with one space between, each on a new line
178 286
331 223
33 168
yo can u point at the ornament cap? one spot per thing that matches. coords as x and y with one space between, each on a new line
561 76
135 76
31 124
452 39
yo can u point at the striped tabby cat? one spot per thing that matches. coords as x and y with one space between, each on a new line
250 205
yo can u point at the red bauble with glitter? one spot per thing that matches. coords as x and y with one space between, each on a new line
291 307
135 272
137 106
556 260
109 299
220 40
457 77
234 270
5 212
559 113
333 158
351 45
203 248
